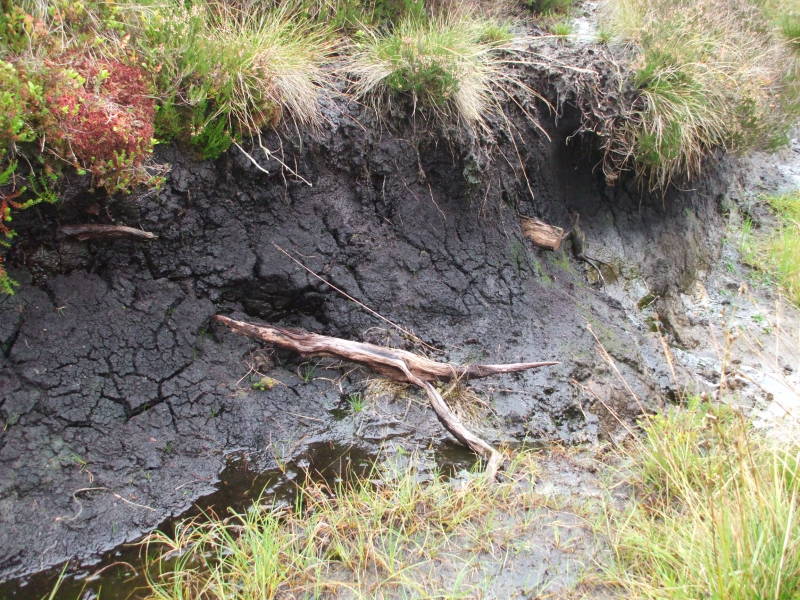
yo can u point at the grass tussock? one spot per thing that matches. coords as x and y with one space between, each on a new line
549 7
452 64
225 74
349 15
777 255
716 513
711 74
359 539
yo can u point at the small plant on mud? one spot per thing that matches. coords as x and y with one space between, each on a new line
308 371
264 384
604 36
561 29
356 402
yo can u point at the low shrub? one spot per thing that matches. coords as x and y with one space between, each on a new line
65 105
102 119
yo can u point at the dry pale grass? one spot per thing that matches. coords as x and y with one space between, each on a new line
711 74
454 65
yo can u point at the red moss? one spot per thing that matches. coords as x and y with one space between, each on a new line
7 202
105 122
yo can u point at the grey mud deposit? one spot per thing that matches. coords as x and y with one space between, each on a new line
120 401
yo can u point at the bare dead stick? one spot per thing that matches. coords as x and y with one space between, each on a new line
92 231
396 364
380 358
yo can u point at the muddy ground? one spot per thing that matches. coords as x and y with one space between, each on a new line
122 403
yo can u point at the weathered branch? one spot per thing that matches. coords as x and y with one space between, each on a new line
396 364
541 233
93 231
379 358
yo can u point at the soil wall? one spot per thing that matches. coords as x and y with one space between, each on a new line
121 401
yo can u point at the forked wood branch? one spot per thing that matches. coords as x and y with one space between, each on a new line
396 364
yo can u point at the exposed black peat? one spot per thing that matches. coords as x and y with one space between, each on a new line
120 400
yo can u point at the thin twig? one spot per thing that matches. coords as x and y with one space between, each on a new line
411 334
98 489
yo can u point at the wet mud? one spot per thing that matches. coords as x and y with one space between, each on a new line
122 403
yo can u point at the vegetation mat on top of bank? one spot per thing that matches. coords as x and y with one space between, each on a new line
88 87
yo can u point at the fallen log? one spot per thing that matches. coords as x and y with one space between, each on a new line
399 365
94 231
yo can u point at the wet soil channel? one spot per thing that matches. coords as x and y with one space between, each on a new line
120 573
113 375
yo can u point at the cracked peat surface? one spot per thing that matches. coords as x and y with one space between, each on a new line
122 403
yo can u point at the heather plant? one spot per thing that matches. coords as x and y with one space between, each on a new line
102 120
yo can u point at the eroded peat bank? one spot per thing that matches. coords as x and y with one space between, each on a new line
369 172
